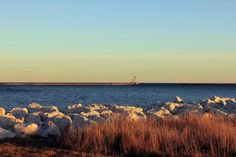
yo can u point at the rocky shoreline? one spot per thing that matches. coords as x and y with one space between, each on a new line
49 121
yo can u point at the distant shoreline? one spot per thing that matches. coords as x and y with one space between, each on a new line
108 84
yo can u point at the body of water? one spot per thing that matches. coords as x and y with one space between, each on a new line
143 95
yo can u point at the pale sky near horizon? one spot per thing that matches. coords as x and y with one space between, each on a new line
109 40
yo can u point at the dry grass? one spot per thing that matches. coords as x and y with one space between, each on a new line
189 136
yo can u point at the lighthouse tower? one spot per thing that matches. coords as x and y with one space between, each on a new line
134 81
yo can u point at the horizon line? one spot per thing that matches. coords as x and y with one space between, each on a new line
65 83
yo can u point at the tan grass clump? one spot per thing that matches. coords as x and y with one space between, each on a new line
188 136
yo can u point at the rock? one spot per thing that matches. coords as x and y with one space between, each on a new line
19 112
189 106
178 100
74 106
199 110
123 109
203 102
191 109
97 107
77 108
91 113
2 111
135 116
222 103
49 116
80 121
34 107
23 130
172 107
213 105
216 99
5 134
106 113
131 112
8 121
49 109
62 122
33 118
48 130
215 111
97 119
231 104
192 102
162 113
72 115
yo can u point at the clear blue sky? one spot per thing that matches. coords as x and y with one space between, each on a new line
112 40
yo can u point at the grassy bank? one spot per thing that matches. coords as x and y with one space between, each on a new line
188 136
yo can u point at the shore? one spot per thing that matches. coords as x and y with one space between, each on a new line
102 124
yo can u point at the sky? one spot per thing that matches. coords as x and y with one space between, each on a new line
113 40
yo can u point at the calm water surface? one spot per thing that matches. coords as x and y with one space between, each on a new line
18 96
